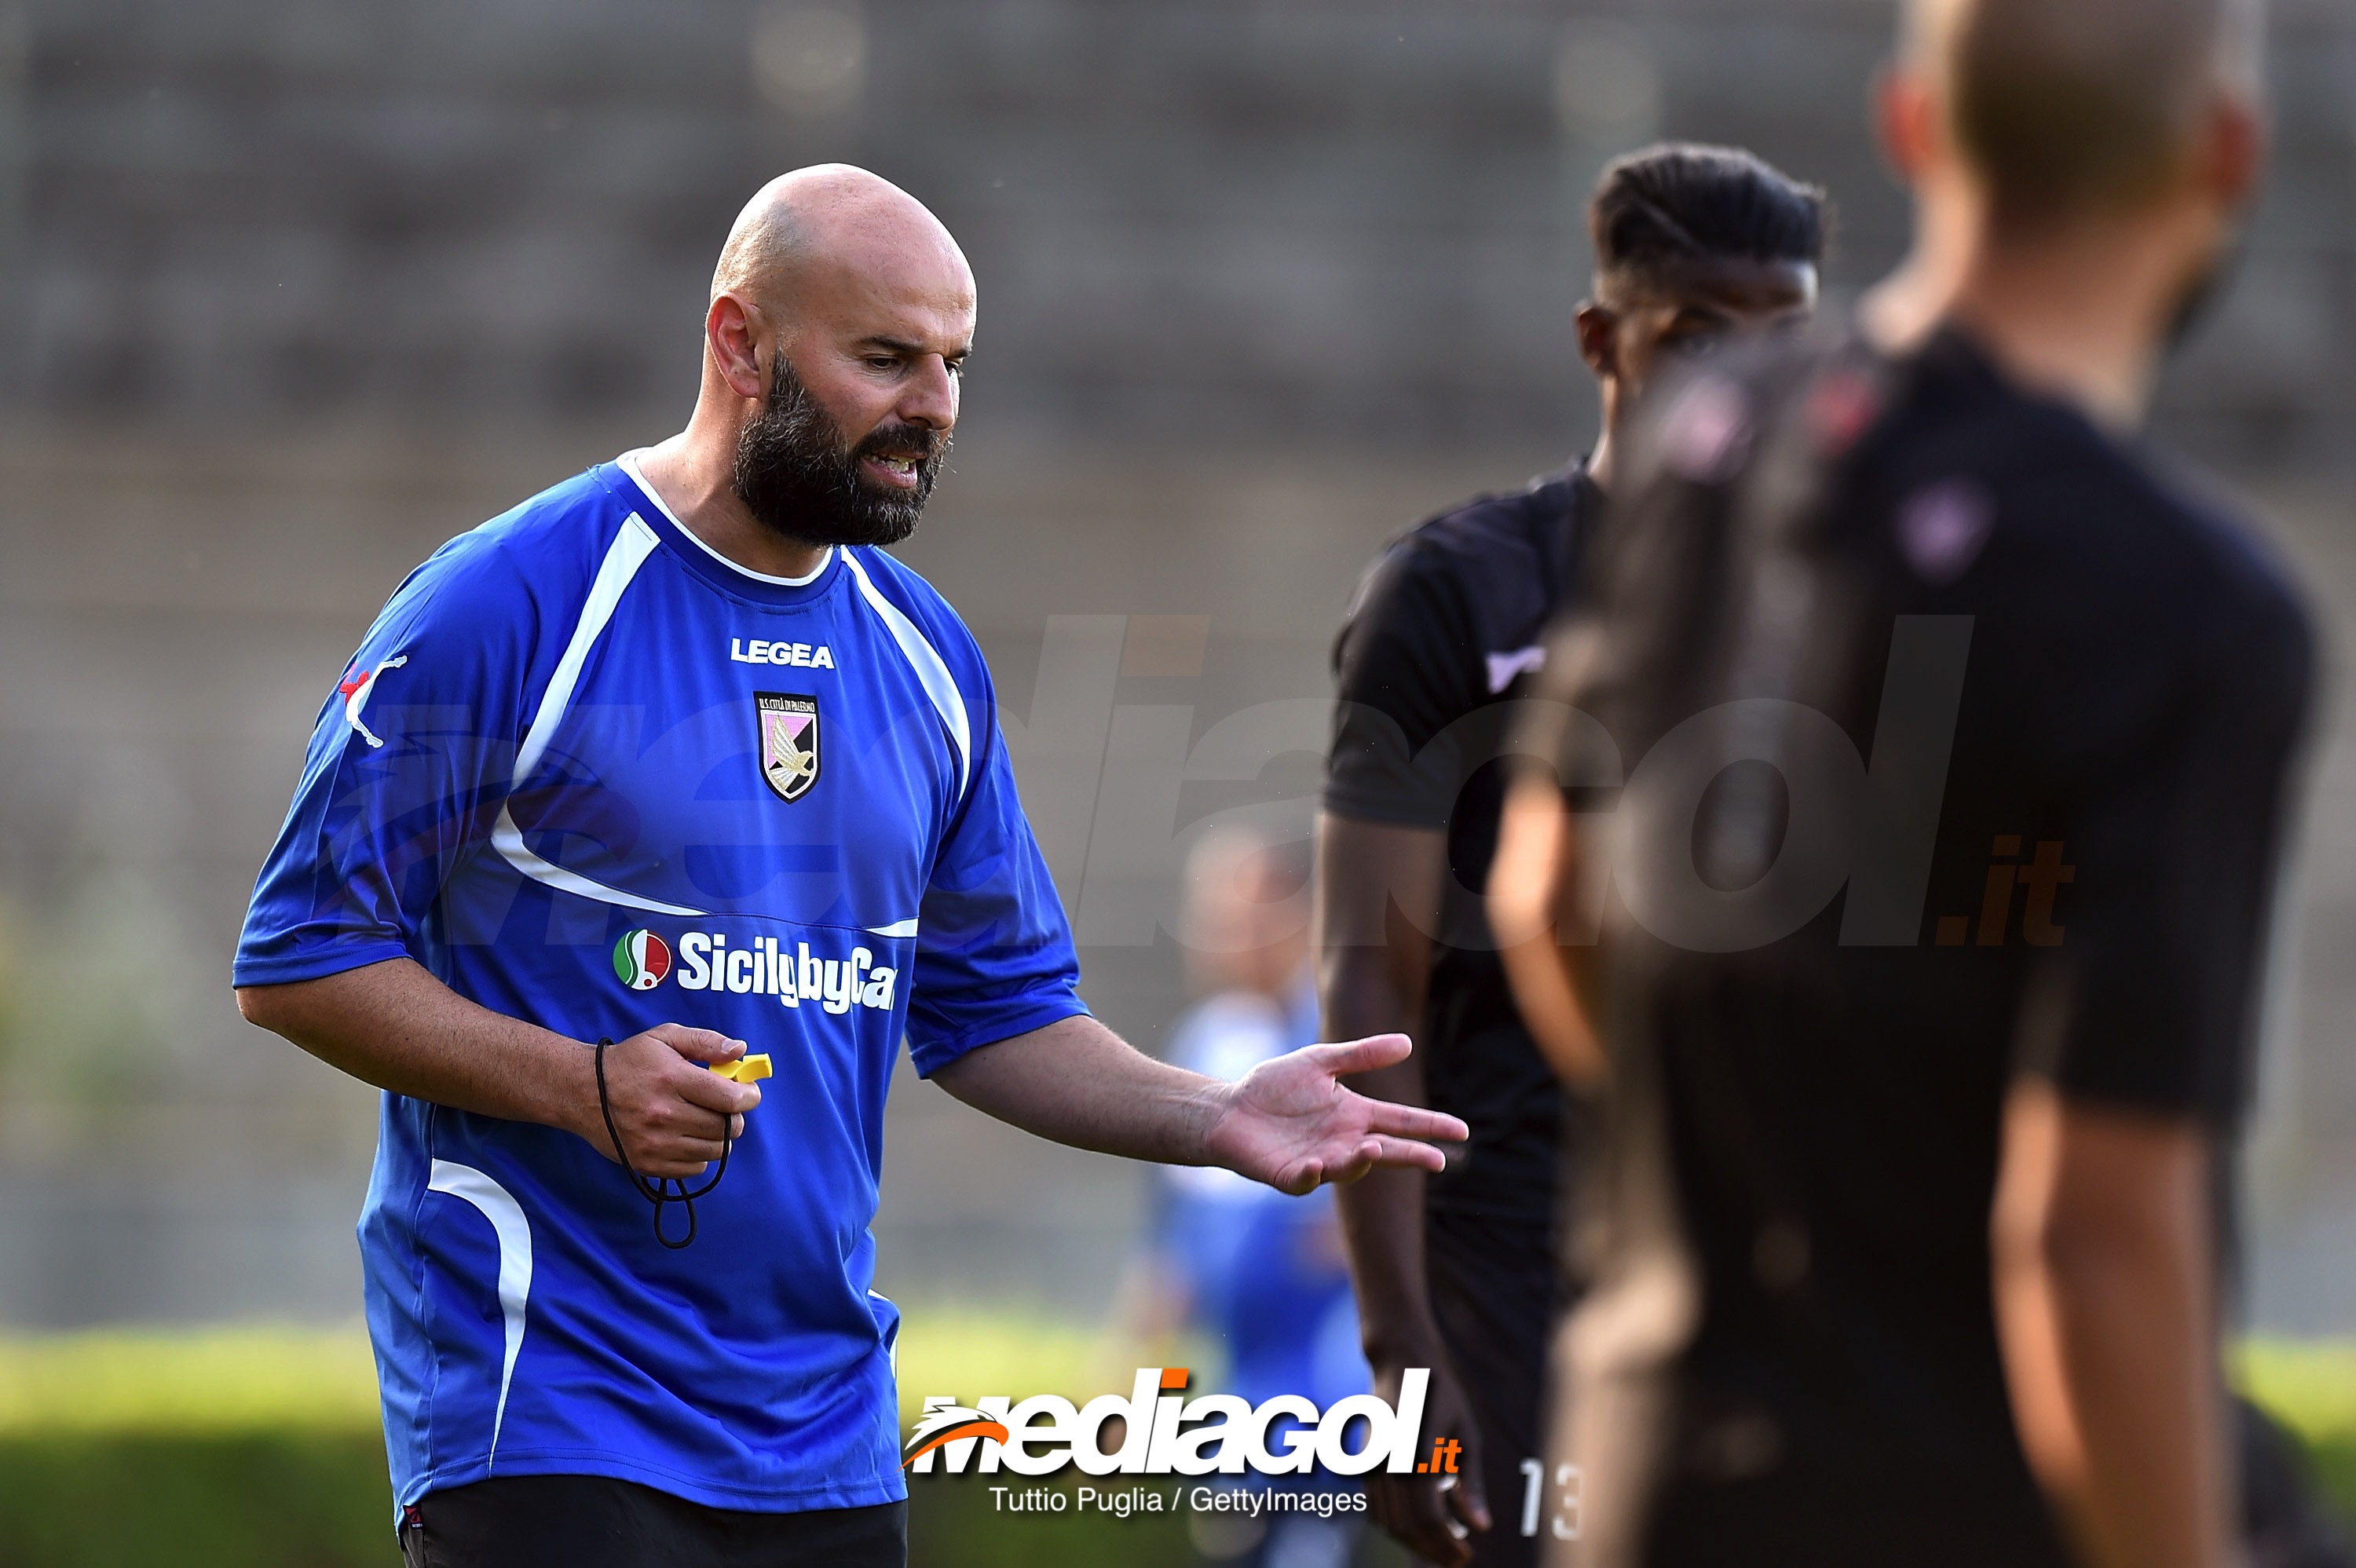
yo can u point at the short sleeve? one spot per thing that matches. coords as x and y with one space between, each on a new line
1403 669
409 762
2148 997
994 954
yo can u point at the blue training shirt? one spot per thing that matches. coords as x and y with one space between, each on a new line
594 775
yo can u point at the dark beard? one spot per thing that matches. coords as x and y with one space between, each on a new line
799 476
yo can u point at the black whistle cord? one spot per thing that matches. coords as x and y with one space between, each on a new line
658 1193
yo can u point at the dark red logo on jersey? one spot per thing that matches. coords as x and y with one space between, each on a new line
789 725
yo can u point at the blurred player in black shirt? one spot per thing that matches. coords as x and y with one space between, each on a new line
1956 734
1693 244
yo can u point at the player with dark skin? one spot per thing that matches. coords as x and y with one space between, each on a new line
1639 318
1380 892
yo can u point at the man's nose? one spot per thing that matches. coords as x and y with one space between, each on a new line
931 397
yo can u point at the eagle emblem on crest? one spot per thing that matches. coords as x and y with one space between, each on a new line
789 725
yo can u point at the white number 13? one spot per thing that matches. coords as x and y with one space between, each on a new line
1565 1525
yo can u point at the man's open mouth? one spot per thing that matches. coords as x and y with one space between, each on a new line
899 471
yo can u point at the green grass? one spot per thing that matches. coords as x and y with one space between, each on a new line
259 1448
296 1381
2310 1387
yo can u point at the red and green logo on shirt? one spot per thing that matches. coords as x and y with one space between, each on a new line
641 959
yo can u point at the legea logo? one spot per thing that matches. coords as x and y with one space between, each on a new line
1169 1435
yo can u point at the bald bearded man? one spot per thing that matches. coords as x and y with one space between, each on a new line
670 762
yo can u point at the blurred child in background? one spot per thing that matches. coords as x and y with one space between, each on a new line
1238 1268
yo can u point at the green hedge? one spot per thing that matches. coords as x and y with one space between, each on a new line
79 1500
317 1501
259 1449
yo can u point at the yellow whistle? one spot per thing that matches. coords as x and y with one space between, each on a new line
744 1070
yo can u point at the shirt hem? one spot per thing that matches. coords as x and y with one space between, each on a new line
2174 1102
930 1059
866 1492
312 965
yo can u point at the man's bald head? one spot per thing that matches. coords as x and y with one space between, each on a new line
2070 107
835 343
834 214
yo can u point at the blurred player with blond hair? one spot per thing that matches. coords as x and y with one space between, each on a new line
1957 736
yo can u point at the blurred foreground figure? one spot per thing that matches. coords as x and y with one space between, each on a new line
1956 735
1256 1271
673 758
1693 245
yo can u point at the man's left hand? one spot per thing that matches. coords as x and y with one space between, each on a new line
1290 1123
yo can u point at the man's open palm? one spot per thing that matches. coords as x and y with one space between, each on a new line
1290 1123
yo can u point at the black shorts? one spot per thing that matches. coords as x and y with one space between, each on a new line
1789 1522
1497 1291
592 1521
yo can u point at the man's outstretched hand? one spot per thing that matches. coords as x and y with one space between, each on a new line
1290 1123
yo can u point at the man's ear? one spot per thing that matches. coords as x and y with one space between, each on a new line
1906 120
730 336
1599 339
2233 156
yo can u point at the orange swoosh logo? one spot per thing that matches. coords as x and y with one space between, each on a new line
963 1430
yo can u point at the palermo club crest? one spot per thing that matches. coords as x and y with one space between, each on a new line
788 724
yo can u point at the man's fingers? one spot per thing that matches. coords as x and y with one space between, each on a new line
1412 1509
1360 1055
691 1140
685 1167
1427 1532
1300 1180
699 1122
698 1044
1401 1153
680 1151
672 1154
1368 1153
1466 1499
1387 1117
722 1096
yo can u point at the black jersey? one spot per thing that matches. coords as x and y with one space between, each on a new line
1445 632
1983 728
